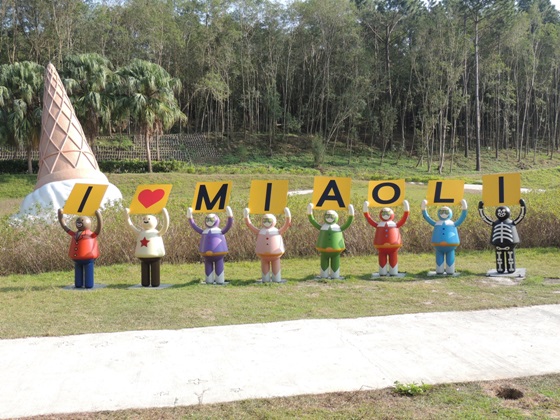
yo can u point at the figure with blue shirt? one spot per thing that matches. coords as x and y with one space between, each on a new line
445 237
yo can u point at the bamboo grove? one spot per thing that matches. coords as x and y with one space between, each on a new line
430 79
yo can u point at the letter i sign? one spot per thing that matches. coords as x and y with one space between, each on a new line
150 199
84 199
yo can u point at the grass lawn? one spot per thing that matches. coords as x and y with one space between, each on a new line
39 304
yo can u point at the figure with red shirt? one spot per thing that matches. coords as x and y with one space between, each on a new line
83 247
388 238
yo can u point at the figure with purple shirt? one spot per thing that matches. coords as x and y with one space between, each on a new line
213 245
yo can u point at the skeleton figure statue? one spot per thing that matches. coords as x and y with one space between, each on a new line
213 246
504 235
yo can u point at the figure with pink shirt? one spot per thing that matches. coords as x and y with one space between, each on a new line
270 245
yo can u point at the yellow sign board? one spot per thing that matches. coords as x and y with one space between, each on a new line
386 193
150 199
268 196
211 196
501 189
331 193
444 193
85 199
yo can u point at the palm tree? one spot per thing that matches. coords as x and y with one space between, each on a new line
87 78
147 97
21 90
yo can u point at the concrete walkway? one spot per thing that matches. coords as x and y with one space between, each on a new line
136 369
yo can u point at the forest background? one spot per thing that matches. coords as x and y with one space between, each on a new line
429 79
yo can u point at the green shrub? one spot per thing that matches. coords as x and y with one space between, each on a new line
17 166
412 389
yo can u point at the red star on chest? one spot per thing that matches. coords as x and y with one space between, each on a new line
144 242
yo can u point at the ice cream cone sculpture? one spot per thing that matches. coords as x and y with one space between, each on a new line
65 157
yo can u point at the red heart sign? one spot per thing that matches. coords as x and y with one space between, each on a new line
148 197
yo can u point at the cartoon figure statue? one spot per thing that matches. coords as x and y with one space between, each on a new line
213 245
83 247
149 246
387 237
445 237
330 243
270 245
504 235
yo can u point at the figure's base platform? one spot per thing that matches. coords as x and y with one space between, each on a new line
95 286
433 274
328 278
161 286
520 272
387 276
225 283
271 282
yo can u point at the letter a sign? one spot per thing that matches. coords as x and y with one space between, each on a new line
331 193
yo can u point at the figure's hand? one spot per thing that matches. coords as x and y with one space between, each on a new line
98 214
481 205
229 212
60 214
189 213
522 203
351 210
287 213
127 211
246 212
310 208
366 207
463 204
406 206
424 204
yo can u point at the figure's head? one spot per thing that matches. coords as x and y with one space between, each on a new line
83 223
386 214
445 213
503 213
269 221
331 217
211 220
149 222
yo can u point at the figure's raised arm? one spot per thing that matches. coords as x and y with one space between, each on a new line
248 222
165 222
350 218
483 215
192 222
424 207
311 218
99 222
62 221
522 212
287 221
405 215
229 223
129 222
368 217
464 213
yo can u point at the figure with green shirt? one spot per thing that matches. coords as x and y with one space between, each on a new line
330 243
